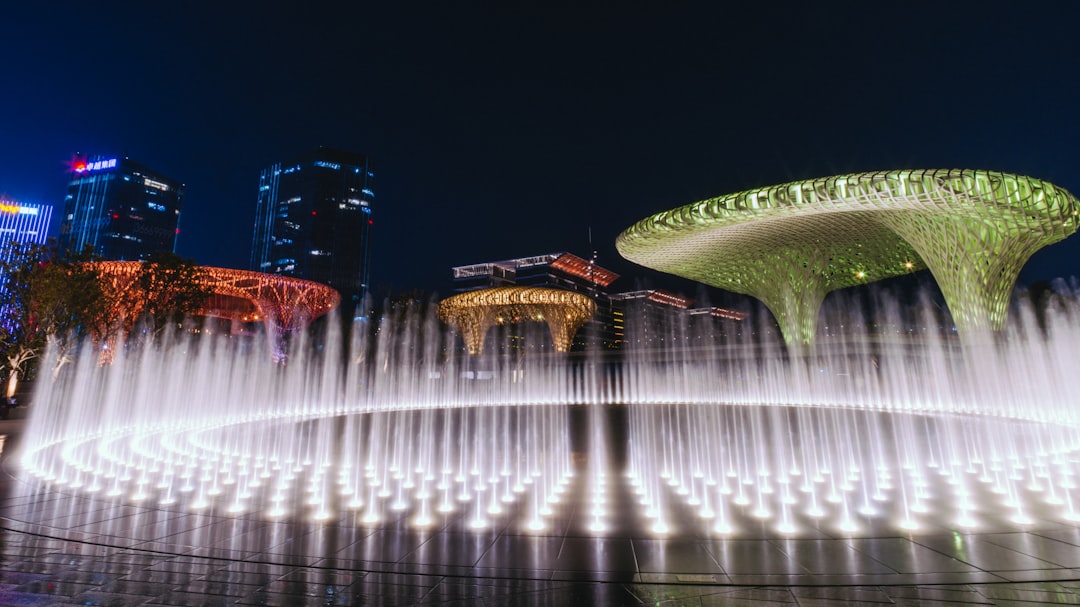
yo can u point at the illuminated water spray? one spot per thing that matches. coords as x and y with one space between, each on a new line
891 434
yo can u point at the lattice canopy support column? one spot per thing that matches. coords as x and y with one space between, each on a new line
564 324
792 287
791 244
473 324
473 313
975 263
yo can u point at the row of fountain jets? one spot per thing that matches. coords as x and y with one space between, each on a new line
902 430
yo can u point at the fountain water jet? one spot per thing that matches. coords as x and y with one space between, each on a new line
896 432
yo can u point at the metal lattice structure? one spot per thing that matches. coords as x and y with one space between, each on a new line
789 245
473 313
283 303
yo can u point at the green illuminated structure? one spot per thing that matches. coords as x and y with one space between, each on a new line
789 245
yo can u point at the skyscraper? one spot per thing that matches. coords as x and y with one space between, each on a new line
313 221
121 208
22 222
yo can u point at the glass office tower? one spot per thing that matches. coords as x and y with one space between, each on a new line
20 223
122 209
314 220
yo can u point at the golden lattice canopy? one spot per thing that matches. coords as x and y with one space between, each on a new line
473 313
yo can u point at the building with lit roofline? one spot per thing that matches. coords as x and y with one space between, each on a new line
551 270
313 220
22 223
636 318
121 208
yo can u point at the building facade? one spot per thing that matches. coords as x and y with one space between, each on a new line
22 223
552 270
557 270
313 220
122 209
641 319
655 318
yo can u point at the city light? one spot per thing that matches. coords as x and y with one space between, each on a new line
82 166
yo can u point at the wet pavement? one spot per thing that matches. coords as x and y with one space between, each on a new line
61 549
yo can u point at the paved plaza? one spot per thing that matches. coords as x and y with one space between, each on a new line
60 549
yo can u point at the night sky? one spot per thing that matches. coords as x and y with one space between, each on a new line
509 129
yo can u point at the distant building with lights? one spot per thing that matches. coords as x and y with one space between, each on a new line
314 219
22 223
122 209
652 318
644 318
554 270
558 270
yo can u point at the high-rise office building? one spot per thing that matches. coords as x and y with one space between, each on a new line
122 209
314 219
20 223
23 222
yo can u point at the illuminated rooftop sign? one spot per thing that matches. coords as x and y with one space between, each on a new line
16 209
97 165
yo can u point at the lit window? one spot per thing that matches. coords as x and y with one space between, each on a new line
157 185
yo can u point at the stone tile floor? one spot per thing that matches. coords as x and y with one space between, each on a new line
42 571
58 549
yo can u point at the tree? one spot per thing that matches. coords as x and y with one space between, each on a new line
44 295
49 296
148 299
172 288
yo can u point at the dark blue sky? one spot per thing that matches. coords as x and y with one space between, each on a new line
509 128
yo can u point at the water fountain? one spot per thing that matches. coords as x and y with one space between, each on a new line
900 433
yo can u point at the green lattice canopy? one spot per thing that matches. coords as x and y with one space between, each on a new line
789 245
